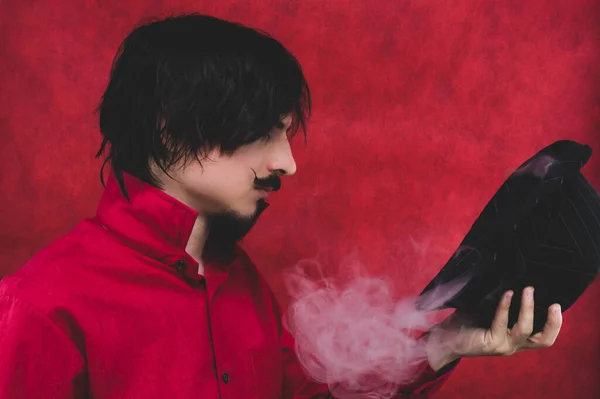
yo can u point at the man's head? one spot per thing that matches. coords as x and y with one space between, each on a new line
203 109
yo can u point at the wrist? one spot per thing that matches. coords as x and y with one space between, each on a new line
439 352
438 362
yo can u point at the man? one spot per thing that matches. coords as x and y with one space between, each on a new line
152 297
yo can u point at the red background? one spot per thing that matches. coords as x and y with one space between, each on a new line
422 108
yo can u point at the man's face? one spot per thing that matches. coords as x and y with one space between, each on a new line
237 184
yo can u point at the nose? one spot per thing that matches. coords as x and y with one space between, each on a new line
282 159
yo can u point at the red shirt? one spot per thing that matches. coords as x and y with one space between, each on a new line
116 310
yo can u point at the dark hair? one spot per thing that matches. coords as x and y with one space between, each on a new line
186 85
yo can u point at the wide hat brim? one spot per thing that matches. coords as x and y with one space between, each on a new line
541 229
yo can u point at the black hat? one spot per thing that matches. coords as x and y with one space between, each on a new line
541 229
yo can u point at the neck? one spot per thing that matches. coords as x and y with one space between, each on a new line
196 242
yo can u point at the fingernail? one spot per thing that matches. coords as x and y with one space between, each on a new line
557 309
529 292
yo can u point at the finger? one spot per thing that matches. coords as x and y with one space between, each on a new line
500 323
548 335
522 330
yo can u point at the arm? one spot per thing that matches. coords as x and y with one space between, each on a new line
37 360
297 385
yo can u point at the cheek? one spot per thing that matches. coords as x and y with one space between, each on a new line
228 181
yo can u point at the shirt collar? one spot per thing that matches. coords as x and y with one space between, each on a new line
156 225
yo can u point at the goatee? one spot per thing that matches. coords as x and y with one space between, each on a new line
227 228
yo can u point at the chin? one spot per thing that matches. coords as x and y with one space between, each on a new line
252 211
242 213
227 228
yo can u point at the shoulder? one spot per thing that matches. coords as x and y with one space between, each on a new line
51 277
59 286
32 298
30 336
27 320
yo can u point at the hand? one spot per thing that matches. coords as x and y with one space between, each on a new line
453 338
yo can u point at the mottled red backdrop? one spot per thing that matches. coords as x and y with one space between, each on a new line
422 108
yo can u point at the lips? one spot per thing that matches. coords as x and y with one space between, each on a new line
263 193
266 188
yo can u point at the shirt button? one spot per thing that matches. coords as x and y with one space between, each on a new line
225 378
180 266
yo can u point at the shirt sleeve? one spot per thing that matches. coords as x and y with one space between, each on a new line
37 359
297 385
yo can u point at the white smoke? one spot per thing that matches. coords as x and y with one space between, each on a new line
355 336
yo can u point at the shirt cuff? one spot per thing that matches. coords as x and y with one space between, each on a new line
429 380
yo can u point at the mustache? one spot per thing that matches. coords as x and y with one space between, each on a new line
272 182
